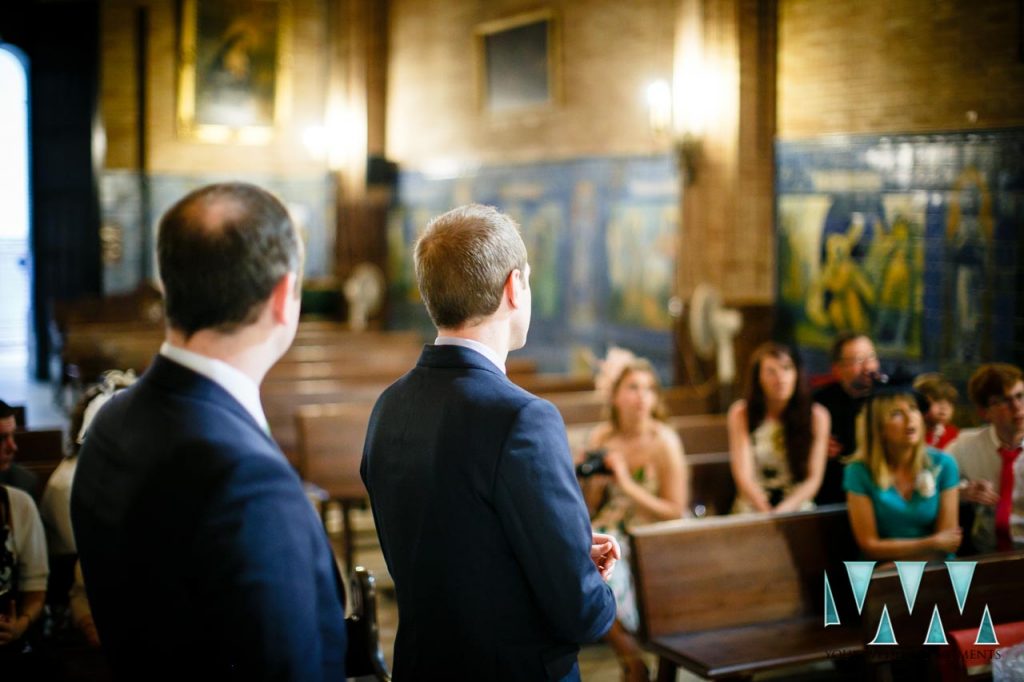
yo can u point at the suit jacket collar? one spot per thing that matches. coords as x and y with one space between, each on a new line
442 357
169 376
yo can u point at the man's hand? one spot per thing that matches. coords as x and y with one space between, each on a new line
835 448
980 492
604 552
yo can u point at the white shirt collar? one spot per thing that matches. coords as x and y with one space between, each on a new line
994 437
236 383
480 348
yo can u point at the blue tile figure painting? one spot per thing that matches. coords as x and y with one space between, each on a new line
914 240
601 237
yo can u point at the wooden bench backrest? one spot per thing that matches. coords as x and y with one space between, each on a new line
702 433
711 486
553 384
330 446
694 575
998 582
281 401
40 451
582 407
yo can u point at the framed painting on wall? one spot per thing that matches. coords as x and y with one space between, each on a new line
233 69
518 62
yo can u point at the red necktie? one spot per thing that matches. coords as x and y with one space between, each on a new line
1008 456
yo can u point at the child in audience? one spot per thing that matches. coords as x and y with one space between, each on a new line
941 397
644 480
902 496
778 438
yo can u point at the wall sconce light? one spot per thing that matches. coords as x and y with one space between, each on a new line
665 123
688 152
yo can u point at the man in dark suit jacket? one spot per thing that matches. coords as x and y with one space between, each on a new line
201 555
482 523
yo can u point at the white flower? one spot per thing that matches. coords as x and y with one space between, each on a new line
925 483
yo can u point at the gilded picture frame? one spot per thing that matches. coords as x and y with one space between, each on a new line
234 69
518 62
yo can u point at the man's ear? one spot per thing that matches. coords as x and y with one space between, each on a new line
280 299
513 287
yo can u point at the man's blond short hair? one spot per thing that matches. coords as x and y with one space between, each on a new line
462 261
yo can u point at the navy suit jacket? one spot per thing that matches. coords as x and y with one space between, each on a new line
482 524
202 557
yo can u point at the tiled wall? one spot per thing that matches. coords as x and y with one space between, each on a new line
600 233
913 239
309 199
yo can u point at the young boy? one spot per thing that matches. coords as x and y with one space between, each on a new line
941 397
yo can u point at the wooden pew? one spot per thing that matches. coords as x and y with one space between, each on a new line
736 595
39 451
548 384
998 583
712 490
378 369
281 401
582 407
701 433
330 449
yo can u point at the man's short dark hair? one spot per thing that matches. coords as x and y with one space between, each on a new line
221 250
843 338
5 410
992 380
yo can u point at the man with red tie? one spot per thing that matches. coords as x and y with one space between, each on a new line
988 456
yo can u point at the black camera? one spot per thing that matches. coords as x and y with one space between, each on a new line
593 463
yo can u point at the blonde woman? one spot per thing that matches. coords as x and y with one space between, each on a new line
643 480
902 496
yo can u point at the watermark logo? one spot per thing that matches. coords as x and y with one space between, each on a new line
961 573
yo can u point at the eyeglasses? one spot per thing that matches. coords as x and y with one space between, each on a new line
859 360
1007 400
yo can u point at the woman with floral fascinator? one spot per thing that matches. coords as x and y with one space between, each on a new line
902 495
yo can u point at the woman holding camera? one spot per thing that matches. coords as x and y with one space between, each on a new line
643 480
902 496
778 437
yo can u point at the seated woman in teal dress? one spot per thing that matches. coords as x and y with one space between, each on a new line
901 495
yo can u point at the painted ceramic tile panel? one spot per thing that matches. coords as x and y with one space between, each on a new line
601 237
914 239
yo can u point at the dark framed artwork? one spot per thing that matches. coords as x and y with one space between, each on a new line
518 62
234 69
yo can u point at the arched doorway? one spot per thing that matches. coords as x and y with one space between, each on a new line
15 259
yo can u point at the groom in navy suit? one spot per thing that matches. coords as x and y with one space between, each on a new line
202 557
485 532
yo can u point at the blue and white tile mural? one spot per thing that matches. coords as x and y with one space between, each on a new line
914 240
600 233
309 199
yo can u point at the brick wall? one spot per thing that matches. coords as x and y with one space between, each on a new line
609 52
879 66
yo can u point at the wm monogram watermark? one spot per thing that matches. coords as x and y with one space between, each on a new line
910 573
